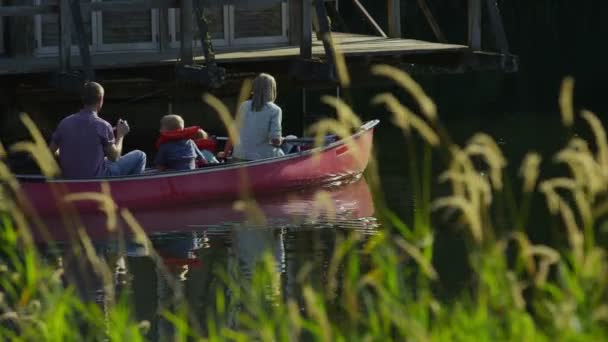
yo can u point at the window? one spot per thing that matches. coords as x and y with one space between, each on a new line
265 24
217 18
127 30
115 31
239 23
47 30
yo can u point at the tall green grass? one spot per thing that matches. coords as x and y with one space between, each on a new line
383 287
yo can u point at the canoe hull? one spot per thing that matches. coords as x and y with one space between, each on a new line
346 158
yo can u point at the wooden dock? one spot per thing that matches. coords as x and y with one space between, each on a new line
351 45
55 45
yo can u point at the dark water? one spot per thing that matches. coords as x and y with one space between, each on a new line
194 242
293 236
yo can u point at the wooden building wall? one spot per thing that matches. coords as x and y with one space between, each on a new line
143 30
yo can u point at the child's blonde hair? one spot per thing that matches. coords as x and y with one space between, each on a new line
264 91
172 122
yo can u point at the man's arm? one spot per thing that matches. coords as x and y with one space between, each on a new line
114 151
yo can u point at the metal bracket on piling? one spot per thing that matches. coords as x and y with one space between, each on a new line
210 74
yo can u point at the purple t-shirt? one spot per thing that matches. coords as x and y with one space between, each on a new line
82 139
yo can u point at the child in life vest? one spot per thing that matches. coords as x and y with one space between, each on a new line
176 148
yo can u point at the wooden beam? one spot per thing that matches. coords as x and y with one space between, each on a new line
295 21
105 6
306 32
163 29
186 32
20 29
1 32
369 18
498 29
83 39
394 18
424 7
65 35
324 30
475 25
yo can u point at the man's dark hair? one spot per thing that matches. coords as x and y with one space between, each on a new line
92 92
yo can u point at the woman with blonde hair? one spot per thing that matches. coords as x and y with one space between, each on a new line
260 134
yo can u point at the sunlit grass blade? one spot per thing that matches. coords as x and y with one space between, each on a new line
566 101
408 84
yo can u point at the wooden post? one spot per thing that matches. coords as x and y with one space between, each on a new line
83 40
1 31
295 21
304 111
65 35
497 26
163 29
324 30
475 24
431 20
20 32
306 37
394 18
186 32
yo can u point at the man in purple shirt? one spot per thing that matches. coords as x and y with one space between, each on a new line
86 143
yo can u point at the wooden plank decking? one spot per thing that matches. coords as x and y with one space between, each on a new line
351 45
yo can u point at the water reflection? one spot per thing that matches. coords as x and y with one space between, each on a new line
196 242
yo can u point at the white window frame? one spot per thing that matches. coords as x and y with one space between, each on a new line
196 43
283 38
54 50
152 45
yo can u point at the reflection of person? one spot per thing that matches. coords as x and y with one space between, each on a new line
180 154
180 256
260 134
87 145
250 245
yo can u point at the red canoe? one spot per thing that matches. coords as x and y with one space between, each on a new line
341 159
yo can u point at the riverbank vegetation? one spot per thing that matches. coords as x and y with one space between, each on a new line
381 287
